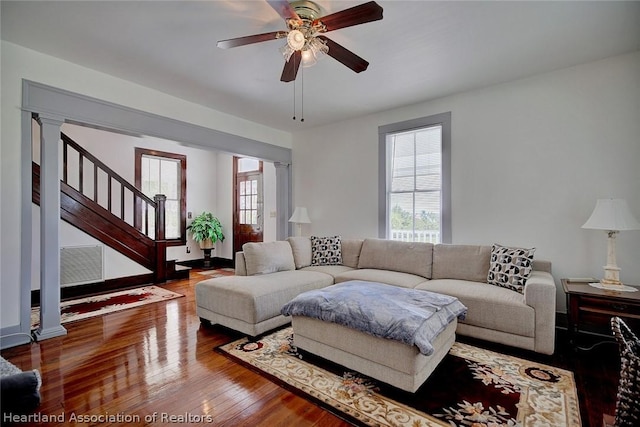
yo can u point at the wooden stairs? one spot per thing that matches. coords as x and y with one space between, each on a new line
98 201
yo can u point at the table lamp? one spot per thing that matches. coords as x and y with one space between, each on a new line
613 216
299 217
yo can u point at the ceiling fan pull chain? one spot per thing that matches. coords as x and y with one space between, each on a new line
302 96
294 92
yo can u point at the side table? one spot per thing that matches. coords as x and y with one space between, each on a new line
586 304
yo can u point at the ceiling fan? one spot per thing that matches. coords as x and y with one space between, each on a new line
304 35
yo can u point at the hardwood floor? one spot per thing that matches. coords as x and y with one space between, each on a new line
157 361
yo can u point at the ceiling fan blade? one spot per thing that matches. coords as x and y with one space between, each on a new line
290 70
241 41
366 12
345 56
284 9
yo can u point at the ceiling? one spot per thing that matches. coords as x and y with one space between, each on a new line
421 50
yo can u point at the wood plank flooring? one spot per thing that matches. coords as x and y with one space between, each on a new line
157 361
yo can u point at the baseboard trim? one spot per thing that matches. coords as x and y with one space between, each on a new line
216 262
91 289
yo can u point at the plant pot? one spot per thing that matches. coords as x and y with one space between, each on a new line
206 244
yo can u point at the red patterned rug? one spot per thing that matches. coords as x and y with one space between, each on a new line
98 305
471 387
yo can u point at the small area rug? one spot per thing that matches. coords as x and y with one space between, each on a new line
218 272
98 305
470 387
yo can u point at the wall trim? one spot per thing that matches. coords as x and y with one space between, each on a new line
84 110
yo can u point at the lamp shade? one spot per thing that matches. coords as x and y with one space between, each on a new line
612 215
300 216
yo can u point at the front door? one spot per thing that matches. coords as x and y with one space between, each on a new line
248 205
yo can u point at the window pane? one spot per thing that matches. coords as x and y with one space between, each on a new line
242 188
427 217
402 163
401 216
172 219
169 178
242 217
428 158
246 165
254 217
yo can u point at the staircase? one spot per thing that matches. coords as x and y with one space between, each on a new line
101 203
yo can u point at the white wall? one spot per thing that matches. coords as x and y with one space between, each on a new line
529 160
19 63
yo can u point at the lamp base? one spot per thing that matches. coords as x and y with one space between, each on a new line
611 275
611 282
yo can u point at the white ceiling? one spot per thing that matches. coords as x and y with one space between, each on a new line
421 50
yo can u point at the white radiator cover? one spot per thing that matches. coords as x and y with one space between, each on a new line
81 264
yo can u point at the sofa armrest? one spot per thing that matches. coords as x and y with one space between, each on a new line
241 265
540 293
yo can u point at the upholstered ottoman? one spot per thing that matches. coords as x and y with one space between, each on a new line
391 361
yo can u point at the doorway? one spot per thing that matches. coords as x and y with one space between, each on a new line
248 211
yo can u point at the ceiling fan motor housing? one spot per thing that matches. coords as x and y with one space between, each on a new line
306 9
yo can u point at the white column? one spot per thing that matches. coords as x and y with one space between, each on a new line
283 200
49 230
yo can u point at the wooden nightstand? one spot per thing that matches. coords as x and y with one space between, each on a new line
596 307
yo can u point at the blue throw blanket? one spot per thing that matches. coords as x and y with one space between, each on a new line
414 317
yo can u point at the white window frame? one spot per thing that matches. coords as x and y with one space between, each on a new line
384 165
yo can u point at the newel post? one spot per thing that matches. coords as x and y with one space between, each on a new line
161 243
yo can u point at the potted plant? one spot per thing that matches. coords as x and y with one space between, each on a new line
206 229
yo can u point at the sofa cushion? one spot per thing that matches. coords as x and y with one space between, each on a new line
351 252
490 307
397 278
464 262
301 247
332 270
326 250
254 299
268 257
510 267
407 257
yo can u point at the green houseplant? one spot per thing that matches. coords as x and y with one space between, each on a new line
206 229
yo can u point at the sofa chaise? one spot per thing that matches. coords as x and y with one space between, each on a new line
510 297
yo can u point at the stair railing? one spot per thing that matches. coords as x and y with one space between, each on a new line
95 180
116 194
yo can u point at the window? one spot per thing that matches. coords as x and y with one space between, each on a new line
164 173
415 183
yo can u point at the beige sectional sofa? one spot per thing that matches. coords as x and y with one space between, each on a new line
270 274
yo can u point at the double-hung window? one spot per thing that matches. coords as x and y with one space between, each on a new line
415 194
164 173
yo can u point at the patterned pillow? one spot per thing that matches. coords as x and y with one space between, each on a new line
510 267
326 250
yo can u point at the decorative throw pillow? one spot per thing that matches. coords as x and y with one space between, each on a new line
326 250
510 267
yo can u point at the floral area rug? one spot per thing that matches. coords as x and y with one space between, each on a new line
470 387
108 303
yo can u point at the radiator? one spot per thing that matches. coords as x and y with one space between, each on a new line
81 264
